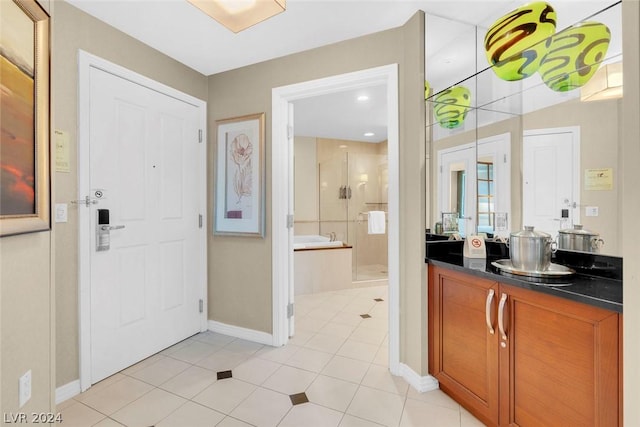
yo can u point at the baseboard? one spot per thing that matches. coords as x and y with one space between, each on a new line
239 332
67 391
420 383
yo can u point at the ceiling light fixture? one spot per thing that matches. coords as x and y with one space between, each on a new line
363 98
606 83
369 134
238 15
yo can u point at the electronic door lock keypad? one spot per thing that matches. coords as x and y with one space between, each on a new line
103 230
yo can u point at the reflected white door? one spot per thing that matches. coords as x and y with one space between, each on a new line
551 179
452 162
144 161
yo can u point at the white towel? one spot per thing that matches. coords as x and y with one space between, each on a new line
377 222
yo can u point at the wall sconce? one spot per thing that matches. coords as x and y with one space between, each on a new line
364 178
606 83
238 15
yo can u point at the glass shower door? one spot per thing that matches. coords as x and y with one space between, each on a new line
368 179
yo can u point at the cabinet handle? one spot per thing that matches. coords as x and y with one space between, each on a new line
487 311
503 301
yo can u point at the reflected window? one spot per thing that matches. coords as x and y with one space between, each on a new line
486 197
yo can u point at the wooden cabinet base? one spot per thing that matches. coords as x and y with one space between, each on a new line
517 357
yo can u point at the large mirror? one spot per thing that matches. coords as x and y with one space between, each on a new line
524 154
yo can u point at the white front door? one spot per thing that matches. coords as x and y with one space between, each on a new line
145 170
551 179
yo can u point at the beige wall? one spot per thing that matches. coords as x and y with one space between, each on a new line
26 336
242 296
27 317
630 159
73 30
305 181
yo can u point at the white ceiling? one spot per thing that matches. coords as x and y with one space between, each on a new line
183 32
342 116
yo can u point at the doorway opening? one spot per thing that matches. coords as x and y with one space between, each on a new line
283 129
474 186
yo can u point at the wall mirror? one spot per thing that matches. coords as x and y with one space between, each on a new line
524 154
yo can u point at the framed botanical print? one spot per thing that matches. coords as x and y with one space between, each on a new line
239 175
24 118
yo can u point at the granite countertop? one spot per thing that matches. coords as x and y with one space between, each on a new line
592 288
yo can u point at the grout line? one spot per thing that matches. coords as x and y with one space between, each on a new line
359 296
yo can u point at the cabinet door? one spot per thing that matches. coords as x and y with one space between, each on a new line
463 348
560 364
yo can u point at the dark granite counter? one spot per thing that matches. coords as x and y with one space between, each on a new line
596 282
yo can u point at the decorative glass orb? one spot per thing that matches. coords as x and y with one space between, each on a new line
451 106
574 55
514 44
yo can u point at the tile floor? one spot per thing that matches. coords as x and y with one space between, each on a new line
332 373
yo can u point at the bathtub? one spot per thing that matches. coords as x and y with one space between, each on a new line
310 241
320 265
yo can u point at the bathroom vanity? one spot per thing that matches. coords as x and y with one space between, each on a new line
514 351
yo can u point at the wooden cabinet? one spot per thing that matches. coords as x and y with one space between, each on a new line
516 357
463 354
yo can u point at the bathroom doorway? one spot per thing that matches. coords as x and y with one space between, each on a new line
283 193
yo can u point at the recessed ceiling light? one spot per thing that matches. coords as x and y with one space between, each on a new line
369 134
238 15
363 98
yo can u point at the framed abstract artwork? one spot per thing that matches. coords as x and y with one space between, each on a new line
24 118
239 176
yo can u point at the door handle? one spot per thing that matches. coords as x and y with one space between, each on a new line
503 302
487 311
111 227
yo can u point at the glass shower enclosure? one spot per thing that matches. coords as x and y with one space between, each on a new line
352 185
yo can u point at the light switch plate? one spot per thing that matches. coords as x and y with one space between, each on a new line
61 212
591 211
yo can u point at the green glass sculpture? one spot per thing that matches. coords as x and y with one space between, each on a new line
451 106
514 44
574 55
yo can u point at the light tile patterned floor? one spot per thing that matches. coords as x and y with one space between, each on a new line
336 365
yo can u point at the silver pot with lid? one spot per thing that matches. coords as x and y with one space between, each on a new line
531 250
579 239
